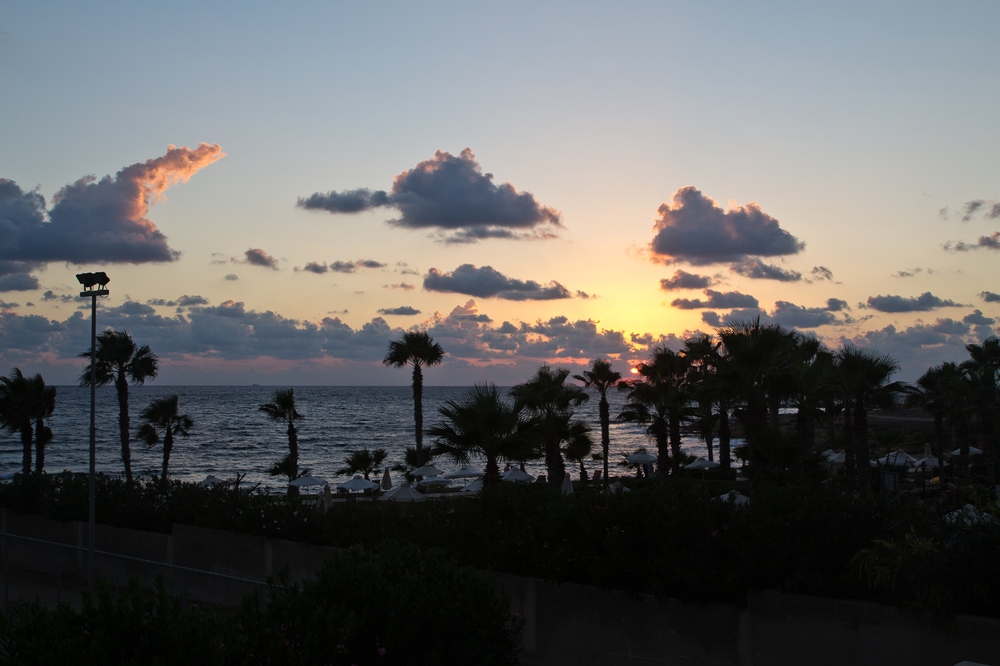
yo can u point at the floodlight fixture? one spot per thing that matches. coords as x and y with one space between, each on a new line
94 283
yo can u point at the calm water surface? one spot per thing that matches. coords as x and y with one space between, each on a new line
231 436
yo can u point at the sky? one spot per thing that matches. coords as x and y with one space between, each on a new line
277 191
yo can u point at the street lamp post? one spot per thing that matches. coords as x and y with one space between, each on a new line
93 286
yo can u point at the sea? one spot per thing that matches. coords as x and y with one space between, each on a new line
231 436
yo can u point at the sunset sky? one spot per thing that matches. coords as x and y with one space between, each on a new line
278 191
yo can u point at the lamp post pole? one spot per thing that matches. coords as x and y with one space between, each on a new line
89 282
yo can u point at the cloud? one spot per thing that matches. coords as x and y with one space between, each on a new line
797 316
18 282
95 220
453 196
836 305
923 303
821 273
685 280
972 208
756 269
232 277
487 282
402 285
258 257
991 242
695 229
716 299
989 297
584 295
351 266
976 318
314 267
401 310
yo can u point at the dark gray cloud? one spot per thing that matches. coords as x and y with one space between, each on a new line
717 320
351 266
991 242
232 277
695 229
53 296
989 297
258 257
584 295
315 267
401 310
716 299
976 318
836 305
184 301
923 303
911 273
685 280
822 273
797 316
487 282
756 269
18 282
4 305
453 196
972 208
95 220
402 285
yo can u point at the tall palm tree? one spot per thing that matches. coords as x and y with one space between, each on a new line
418 349
482 424
547 396
43 403
938 392
120 361
363 461
16 411
702 353
983 368
602 378
282 408
864 376
162 416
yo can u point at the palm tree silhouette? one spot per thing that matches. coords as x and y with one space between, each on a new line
602 378
983 369
162 415
16 411
552 400
120 361
43 404
482 424
282 408
363 461
418 349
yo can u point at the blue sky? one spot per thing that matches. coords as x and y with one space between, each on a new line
862 133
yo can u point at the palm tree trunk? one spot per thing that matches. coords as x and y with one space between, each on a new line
293 457
675 444
168 444
724 437
418 397
554 464
492 475
660 428
605 433
121 386
42 436
26 444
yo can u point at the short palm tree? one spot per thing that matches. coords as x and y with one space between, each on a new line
43 404
602 378
282 409
16 411
418 349
363 461
413 458
547 396
161 416
579 446
120 361
482 424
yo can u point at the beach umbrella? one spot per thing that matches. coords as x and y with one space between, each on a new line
929 461
973 451
567 485
829 453
516 475
404 493
736 497
427 470
306 481
463 473
701 463
474 487
386 480
209 481
432 481
356 484
837 458
641 457
897 459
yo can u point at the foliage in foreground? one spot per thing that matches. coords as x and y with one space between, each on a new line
385 605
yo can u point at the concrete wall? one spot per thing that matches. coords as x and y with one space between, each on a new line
565 624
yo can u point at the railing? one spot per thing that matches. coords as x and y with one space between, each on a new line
30 555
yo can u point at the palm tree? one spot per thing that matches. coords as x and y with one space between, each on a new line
16 411
363 461
282 408
983 368
547 396
120 361
939 391
578 446
43 403
162 415
482 424
703 354
601 378
418 349
413 458
864 376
